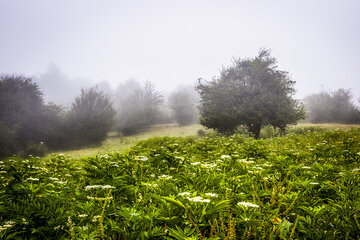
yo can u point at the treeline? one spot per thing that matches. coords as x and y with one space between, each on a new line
332 107
28 125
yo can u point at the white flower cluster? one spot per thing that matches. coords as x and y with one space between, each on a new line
305 167
187 194
247 204
198 199
53 178
7 225
95 218
141 158
195 163
98 186
32 179
245 161
150 184
225 156
313 183
208 165
211 194
165 177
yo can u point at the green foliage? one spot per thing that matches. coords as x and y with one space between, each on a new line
90 118
21 115
332 107
252 93
298 186
139 110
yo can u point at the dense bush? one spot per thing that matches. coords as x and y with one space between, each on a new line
90 118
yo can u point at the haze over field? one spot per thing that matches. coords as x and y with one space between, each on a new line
70 44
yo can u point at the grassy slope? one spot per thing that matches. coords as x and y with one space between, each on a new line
115 143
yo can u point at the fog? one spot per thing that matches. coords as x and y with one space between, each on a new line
68 45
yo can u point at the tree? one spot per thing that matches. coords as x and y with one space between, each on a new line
21 114
139 110
183 106
253 93
90 117
330 107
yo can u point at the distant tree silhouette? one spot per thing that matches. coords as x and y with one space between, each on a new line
332 107
183 106
139 110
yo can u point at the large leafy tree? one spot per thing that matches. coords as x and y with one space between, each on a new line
252 92
90 117
21 114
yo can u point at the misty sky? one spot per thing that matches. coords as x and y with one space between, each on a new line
176 42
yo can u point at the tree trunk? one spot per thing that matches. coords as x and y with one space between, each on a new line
255 129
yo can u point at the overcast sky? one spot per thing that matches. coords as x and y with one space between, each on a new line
174 42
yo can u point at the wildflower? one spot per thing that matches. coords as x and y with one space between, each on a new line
247 204
313 183
165 177
195 163
198 199
208 165
225 156
245 161
61 154
32 179
306 167
356 170
60 182
54 179
3 172
98 186
95 218
141 158
82 215
211 194
184 194
150 185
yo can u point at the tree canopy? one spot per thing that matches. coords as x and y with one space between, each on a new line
91 117
21 114
252 92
